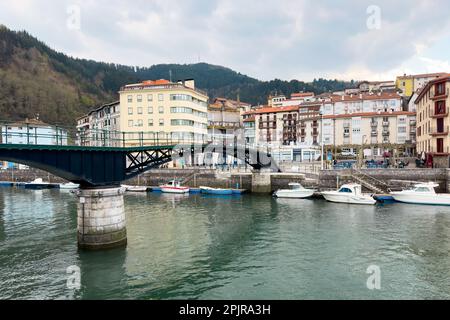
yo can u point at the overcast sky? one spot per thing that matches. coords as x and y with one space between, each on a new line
265 39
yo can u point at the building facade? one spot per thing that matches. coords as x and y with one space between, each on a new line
176 111
433 120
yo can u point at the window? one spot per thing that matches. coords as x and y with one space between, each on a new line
161 122
161 109
130 123
401 129
130 98
160 97
150 122
150 97
130 111
139 110
139 98
140 123
150 110
182 123
345 190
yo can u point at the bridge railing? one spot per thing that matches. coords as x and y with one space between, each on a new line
33 133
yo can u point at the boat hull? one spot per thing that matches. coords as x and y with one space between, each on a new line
174 190
216 191
339 197
426 199
294 194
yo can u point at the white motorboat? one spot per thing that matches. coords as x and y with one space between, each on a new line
39 184
297 191
135 188
349 193
69 186
174 186
422 193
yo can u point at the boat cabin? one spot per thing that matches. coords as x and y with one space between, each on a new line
295 186
351 188
425 187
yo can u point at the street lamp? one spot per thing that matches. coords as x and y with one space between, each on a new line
321 140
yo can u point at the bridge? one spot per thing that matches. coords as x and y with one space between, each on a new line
101 160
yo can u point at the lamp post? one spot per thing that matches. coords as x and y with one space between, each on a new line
321 140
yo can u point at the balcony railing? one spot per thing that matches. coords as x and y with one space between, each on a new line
386 123
224 124
439 113
439 95
385 132
439 131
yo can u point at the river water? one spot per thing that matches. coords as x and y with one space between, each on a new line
240 247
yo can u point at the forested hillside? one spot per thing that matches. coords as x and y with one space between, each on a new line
34 79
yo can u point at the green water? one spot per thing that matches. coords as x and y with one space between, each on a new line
210 247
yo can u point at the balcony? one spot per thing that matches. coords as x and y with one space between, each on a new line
440 113
439 131
412 123
315 125
439 95
385 133
386 123
223 125
374 133
374 124
346 134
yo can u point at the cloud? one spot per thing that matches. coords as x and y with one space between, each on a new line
266 39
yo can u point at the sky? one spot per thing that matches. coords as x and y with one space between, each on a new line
265 39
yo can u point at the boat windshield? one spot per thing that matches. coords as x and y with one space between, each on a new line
423 189
296 186
345 190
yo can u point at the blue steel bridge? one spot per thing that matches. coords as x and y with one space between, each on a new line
100 158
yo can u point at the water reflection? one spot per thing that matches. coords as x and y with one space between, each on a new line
249 247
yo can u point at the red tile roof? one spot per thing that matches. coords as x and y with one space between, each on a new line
268 109
362 97
370 114
424 75
251 119
302 95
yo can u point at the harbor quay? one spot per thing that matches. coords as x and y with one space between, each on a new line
267 182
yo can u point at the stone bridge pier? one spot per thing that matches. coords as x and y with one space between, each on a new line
101 218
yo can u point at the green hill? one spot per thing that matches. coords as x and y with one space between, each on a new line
35 79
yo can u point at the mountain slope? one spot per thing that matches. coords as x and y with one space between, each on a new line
34 79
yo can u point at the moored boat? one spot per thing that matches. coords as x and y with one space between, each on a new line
69 186
135 188
208 190
349 193
39 184
423 193
174 186
297 191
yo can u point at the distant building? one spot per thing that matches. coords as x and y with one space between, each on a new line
32 132
97 127
225 117
409 84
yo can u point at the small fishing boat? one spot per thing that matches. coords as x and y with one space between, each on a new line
39 184
423 193
69 186
135 188
297 191
174 186
349 193
208 190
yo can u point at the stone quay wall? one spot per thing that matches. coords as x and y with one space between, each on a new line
327 179
396 179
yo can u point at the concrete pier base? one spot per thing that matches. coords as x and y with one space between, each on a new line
261 182
101 219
